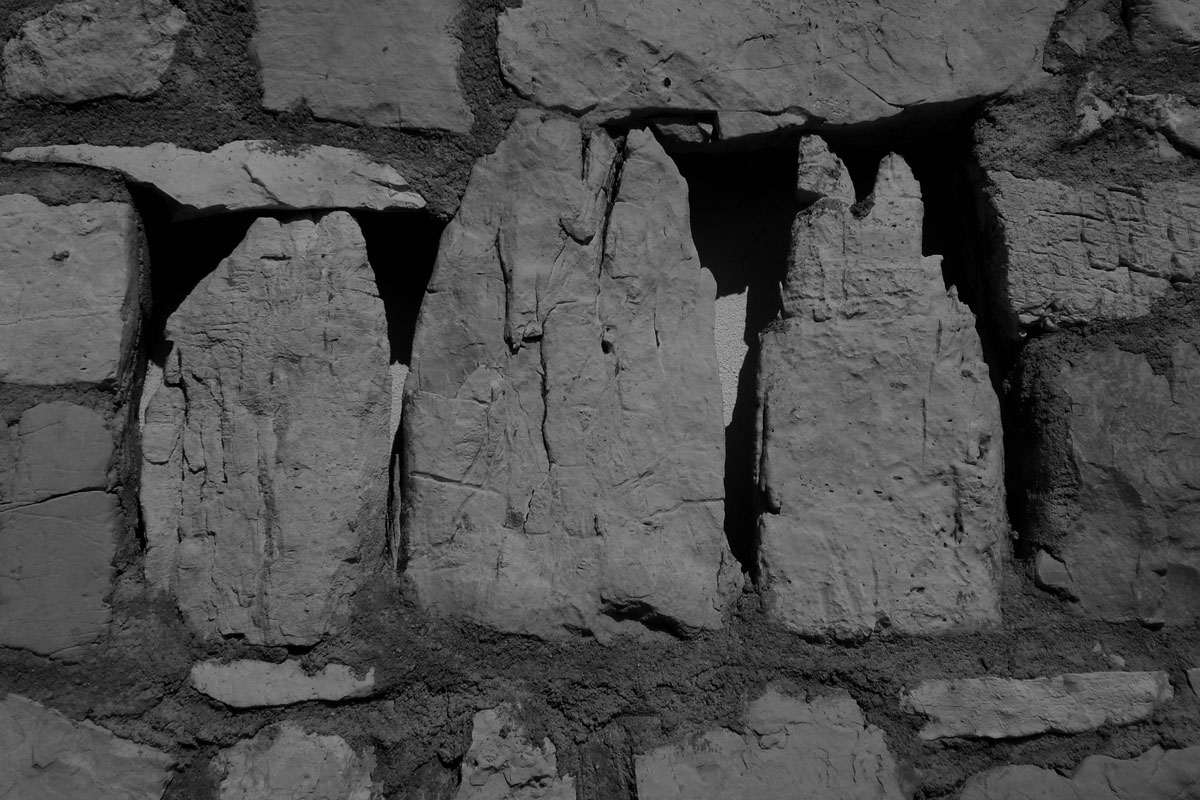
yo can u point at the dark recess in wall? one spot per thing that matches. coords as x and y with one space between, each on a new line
742 206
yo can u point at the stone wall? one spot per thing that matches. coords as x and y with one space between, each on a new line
599 400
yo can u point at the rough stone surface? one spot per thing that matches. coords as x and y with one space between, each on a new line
1155 775
563 436
503 764
880 465
1194 680
284 761
1079 254
820 173
1087 26
46 756
1053 575
730 335
362 61
265 449
1001 708
823 748
1164 25
771 64
248 684
93 48
248 175
1123 503
54 449
68 277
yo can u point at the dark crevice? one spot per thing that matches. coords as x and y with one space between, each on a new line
742 208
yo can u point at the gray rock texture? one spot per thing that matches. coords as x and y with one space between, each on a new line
283 761
1119 486
1075 255
504 764
46 756
53 449
787 747
563 434
248 175
1157 774
1159 26
93 48
765 65
364 62
68 290
1001 708
880 454
250 684
265 450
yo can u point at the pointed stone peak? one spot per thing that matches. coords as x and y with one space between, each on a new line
820 173
894 181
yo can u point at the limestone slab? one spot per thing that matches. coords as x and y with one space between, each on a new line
45 755
364 62
249 684
53 449
265 449
823 748
1077 254
1157 774
1000 708
880 439
284 761
562 421
1163 26
252 175
776 62
68 299
93 48
504 764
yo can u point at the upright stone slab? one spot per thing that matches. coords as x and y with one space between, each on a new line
881 466
562 425
265 449
391 64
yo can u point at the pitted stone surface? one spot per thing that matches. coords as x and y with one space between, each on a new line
1081 254
1123 501
254 175
822 748
503 764
46 756
249 684
772 64
265 449
93 48
53 449
999 708
391 64
881 466
1163 25
1157 774
68 300
563 434
283 761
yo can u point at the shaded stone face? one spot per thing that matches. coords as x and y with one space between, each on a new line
284 761
563 433
67 290
265 450
766 65
92 49
1157 774
880 462
364 62
823 748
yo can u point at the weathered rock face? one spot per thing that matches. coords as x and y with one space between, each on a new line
880 465
46 755
284 761
365 62
57 529
250 684
822 748
563 436
93 48
503 764
265 451
999 708
248 175
1157 774
1118 491
1075 254
68 299
1159 26
782 65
